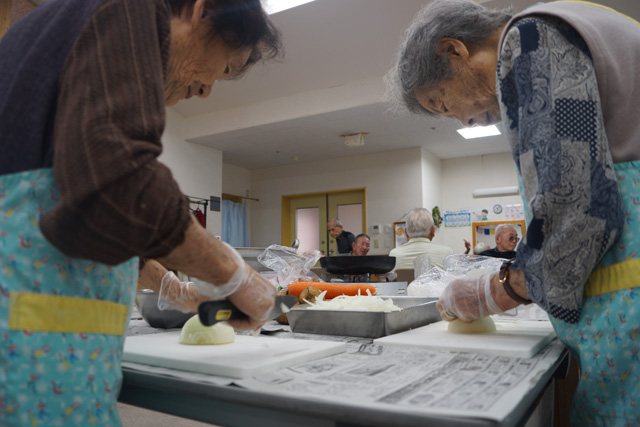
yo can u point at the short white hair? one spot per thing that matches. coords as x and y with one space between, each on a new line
336 222
502 227
419 222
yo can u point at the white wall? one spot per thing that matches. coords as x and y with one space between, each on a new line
196 168
459 178
394 183
431 185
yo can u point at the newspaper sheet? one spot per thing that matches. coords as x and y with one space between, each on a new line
416 380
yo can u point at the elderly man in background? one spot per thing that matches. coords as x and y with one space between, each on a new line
420 231
344 239
563 77
361 245
506 241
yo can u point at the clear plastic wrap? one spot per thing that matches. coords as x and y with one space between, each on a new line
289 265
460 265
432 283
421 265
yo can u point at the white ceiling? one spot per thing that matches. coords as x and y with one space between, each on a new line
336 53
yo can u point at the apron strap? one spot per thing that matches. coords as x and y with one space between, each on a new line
51 313
624 275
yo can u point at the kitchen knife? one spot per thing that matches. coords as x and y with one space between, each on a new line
211 312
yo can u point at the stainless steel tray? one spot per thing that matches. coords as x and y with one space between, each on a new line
416 312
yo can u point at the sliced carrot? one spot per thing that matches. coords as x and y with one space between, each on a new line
333 289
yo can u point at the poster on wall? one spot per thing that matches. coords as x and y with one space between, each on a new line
481 215
458 218
398 233
513 212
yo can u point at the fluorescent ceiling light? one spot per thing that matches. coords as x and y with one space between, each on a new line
479 131
275 6
495 191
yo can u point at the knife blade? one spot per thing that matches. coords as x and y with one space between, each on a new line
211 312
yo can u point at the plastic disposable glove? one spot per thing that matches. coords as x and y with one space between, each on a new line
177 295
468 299
251 292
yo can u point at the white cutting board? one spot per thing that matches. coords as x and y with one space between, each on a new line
246 357
512 338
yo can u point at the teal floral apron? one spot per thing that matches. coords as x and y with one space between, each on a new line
63 320
606 340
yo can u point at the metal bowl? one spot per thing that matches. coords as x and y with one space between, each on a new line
147 303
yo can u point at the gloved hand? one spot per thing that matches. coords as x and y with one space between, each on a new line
468 299
251 292
177 295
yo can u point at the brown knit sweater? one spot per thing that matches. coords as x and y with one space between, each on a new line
117 200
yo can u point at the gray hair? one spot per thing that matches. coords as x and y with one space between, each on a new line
419 222
335 221
502 227
420 64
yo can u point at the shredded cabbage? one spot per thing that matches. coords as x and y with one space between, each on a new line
353 303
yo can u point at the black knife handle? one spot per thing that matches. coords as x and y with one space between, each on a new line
211 312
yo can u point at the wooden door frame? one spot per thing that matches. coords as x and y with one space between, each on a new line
286 207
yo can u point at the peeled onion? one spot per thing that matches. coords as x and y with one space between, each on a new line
195 333
478 326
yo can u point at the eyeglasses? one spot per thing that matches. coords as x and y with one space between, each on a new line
513 238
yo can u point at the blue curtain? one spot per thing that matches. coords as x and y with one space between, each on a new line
234 224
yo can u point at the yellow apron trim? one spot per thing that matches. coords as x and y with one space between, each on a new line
615 277
50 313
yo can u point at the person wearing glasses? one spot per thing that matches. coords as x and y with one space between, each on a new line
506 241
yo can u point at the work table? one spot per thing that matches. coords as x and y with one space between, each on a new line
266 399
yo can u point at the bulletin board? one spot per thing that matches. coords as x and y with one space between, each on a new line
485 231
398 233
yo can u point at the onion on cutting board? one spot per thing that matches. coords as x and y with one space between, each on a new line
478 326
195 333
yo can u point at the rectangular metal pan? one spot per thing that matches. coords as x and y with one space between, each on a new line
416 312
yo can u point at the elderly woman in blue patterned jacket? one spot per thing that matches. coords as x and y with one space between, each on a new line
563 79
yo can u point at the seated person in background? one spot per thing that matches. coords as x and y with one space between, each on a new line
361 245
344 239
420 230
506 241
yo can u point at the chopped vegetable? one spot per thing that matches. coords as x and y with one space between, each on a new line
309 294
332 289
284 308
354 303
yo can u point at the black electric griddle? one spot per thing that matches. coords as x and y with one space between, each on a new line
370 264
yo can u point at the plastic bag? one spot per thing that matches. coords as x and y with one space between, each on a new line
421 265
432 283
289 265
459 265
